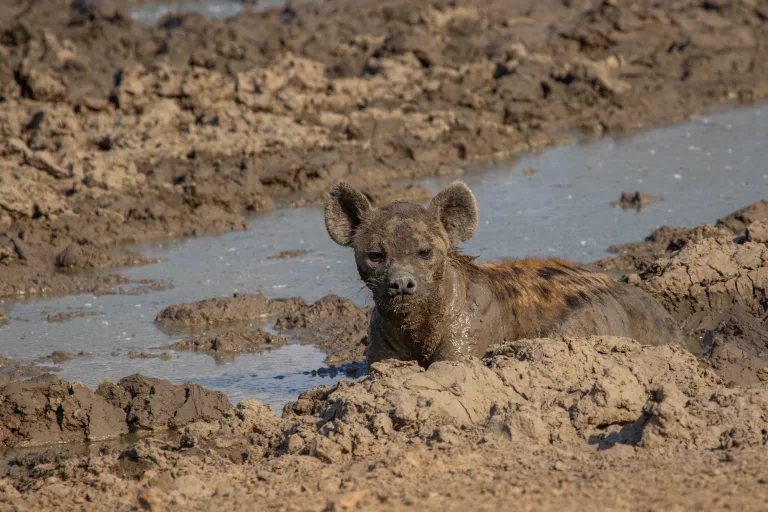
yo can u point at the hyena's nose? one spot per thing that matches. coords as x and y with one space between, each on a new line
402 283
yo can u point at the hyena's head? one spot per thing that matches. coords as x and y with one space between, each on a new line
401 249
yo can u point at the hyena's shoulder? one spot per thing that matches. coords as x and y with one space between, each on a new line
545 283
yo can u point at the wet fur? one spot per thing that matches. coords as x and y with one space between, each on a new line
463 307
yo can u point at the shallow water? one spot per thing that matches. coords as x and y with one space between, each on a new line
151 13
704 170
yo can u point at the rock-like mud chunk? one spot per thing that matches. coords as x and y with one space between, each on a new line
47 409
156 404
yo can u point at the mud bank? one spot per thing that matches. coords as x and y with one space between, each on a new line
541 423
714 281
333 324
117 132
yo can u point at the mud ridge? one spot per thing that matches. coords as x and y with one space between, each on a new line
557 407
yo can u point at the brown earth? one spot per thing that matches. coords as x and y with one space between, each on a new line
291 253
226 345
333 324
66 317
117 133
46 409
601 423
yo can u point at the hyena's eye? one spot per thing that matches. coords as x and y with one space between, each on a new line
425 253
376 257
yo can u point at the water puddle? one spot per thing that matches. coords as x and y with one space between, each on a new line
704 170
152 12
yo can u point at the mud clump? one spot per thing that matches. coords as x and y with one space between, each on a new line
228 344
293 253
239 308
3 318
66 317
117 133
46 409
60 356
133 354
635 200
156 404
333 324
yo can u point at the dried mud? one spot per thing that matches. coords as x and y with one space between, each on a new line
540 423
117 133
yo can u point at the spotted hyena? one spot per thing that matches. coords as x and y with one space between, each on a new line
433 303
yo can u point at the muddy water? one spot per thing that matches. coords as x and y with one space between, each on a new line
151 13
704 170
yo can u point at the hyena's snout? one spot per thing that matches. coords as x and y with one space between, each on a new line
402 283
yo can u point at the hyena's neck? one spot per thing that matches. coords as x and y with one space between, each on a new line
425 324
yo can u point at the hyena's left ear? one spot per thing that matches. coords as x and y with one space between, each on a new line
456 208
345 209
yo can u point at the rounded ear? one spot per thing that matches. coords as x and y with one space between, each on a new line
345 209
456 208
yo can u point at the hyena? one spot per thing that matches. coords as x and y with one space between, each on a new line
433 303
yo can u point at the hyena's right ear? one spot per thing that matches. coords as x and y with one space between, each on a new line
345 209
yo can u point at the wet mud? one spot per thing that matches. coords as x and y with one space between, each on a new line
333 324
636 200
117 133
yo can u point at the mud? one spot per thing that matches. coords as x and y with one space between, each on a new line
333 324
134 354
664 241
292 253
118 133
60 356
45 409
635 200
541 423
226 345
66 317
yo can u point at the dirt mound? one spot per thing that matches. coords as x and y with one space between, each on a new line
403 435
118 133
718 289
665 241
46 409
333 324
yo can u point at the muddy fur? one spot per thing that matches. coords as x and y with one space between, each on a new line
433 303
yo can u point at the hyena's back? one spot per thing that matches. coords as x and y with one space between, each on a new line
625 311
554 297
